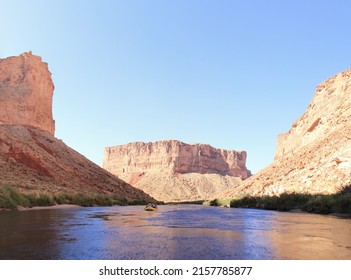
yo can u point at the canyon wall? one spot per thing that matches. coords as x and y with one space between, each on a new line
176 156
176 166
329 111
31 158
314 156
26 91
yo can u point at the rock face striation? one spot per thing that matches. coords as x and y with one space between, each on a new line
31 158
176 156
314 156
26 91
173 170
329 111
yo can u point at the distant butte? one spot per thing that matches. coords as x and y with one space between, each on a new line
175 171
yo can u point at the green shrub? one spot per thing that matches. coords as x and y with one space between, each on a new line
91 200
10 198
286 202
322 204
214 202
45 200
342 203
133 202
64 198
244 202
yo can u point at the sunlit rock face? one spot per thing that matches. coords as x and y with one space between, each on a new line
26 91
329 111
179 168
31 158
314 156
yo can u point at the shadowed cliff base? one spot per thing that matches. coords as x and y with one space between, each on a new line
12 198
320 204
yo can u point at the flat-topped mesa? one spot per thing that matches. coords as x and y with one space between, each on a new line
26 91
329 110
176 156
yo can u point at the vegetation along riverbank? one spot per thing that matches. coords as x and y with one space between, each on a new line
321 204
11 198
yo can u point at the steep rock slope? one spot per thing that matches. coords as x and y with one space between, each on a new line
176 171
36 161
31 158
314 156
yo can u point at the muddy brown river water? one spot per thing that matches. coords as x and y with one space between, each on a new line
171 233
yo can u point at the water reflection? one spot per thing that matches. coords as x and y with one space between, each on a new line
29 235
172 232
304 236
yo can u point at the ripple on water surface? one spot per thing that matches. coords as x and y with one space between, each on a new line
172 232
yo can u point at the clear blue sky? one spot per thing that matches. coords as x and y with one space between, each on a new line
232 74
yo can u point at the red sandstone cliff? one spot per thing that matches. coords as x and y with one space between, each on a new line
173 170
314 156
26 91
31 158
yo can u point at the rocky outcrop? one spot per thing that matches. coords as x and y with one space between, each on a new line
314 156
174 171
31 158
26 91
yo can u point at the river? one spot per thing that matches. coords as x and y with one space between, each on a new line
173 232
